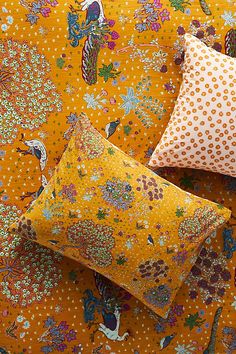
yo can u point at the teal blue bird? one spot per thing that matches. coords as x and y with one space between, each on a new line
150 240
166 341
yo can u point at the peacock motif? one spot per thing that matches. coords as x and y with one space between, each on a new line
110 305
212 342
230 43
97 31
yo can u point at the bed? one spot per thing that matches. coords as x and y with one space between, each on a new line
127 85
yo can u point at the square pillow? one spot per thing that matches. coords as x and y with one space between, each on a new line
117 217
202 130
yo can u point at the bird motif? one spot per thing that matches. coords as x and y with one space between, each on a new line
36 194
166 341
94 11
111 128
107 305
53 242
229 339
93 29
229 242
150 240
3 351
37 149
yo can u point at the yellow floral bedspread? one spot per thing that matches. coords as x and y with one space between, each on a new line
120 62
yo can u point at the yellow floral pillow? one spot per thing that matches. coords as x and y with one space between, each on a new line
117 217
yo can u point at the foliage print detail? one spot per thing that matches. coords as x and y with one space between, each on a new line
151 55
144 106
180 5
56 336
193 320
199 224
230 43
69 192
25 229
108 72
90 142
176 310
209 276
118 193
151 15
150 188
153 270
98 33
158 296
38 8
30 272
28 95
94 241
6 19
203 31
205 8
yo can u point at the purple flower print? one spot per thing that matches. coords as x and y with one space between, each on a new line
111 45
155 26
157 4
53 3
164 15
63 325
45 11
111 23
71 335
114 35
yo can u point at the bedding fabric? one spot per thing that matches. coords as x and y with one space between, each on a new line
120 62
202 132
97 196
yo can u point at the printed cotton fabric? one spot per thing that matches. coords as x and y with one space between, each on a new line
54 63
202 132
121 191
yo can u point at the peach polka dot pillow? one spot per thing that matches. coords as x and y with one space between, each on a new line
202 130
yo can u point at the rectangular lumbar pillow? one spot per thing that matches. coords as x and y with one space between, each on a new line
117 217
202 130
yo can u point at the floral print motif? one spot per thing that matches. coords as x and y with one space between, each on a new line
90 143
69 192
153 269
118 193
151 15
38 8
20 174
25 229
150 188
192 227
143 105
6 19
93 241
111 238
22 70
203 31
30 272
158 296
57 336
209 276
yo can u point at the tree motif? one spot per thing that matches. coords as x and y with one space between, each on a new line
94 241
28 95
209 276
203 221
29 271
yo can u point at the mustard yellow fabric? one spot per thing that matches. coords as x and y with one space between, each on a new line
70 308
111 213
